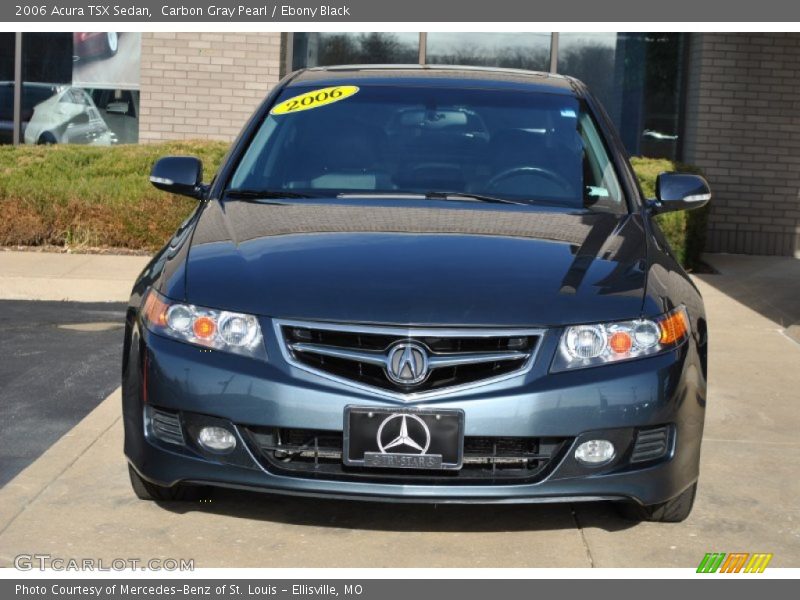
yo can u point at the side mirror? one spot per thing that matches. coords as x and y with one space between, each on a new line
179 175
680 191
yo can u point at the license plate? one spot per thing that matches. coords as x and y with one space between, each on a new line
388 438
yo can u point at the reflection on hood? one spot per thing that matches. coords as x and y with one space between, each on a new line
240 221
481 265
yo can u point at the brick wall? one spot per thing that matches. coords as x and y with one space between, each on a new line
204 85
743 130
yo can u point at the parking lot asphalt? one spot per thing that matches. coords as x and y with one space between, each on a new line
59 361
75 500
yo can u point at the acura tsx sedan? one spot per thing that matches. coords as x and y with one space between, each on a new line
420 284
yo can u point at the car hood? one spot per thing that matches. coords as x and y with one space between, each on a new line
425 264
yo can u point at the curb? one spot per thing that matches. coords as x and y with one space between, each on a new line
66 290
21 491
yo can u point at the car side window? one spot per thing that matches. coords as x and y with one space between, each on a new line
602 187
253 165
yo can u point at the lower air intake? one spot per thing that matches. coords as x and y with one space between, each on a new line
651 444
165 425
492 460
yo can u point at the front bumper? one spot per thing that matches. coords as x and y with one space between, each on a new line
608 401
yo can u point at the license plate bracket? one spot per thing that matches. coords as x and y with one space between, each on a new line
403 438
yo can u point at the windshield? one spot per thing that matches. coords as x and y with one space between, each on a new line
520 146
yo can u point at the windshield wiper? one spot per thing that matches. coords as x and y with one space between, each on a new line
265 194
470 196
380 194
435 195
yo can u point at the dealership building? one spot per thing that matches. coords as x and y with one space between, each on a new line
728 103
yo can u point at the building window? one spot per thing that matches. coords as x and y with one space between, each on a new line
325 49
6 88
638 79
78 88
508 50
636 76
47 57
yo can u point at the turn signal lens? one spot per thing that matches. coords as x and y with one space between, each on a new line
674 327
155 309
620 342
601 343
215 329
204 327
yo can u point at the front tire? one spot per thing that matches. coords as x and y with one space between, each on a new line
145 490
46 139
111 44
671 511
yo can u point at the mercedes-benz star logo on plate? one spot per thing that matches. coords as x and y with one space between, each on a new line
401 431
407 363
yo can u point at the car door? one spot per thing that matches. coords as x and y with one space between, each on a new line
85 123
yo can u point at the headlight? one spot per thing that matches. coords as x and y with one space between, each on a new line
216 329
600 343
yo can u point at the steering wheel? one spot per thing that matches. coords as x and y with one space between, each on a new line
547 174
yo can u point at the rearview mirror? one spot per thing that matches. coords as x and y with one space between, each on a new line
179 175
680 191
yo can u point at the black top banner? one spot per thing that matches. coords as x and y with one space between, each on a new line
388 11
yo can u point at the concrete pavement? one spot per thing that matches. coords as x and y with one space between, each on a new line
750 462
75 501
78 277
770 285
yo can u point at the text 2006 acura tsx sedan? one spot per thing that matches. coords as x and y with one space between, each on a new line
420 284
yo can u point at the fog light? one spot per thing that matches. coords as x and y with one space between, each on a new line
595 452
216 439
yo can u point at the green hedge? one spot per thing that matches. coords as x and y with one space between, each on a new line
685 230
82 196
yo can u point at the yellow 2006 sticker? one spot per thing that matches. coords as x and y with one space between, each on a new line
314 99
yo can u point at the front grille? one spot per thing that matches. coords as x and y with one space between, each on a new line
318 454
651 444
165 425
362 355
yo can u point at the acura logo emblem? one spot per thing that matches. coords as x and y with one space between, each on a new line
403 431
407 363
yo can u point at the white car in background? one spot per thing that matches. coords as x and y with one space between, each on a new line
68 117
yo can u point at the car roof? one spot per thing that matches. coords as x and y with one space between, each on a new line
439 75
